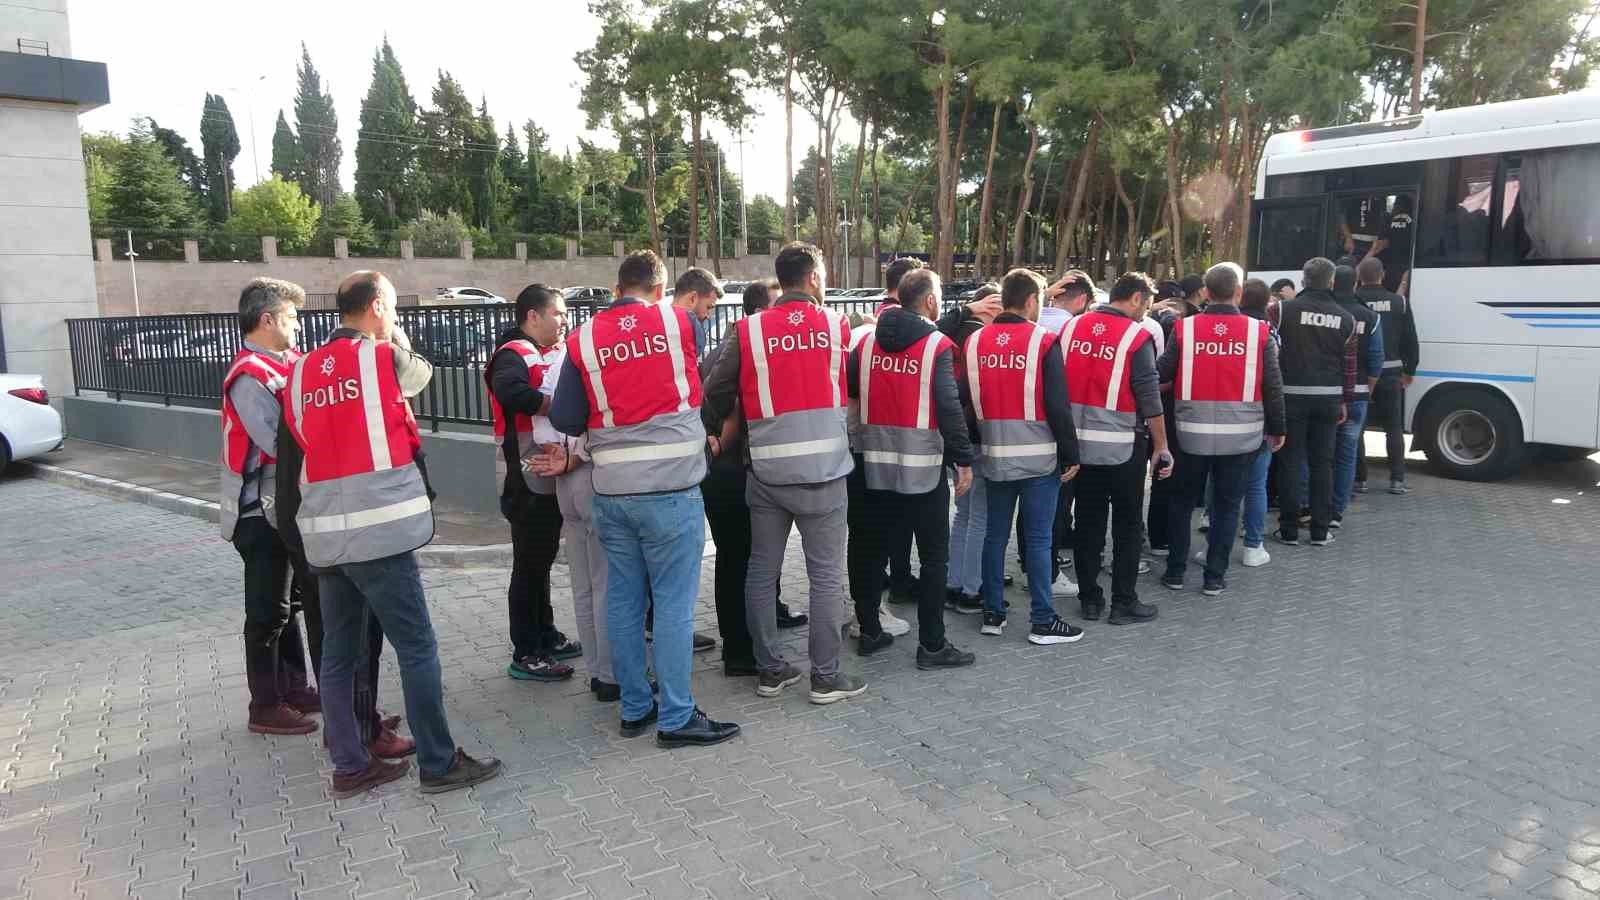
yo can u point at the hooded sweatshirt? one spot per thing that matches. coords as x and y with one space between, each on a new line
898 329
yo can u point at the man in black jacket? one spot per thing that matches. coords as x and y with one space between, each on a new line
1400 358
1319 373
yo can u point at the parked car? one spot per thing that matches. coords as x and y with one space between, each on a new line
29 425
453 341
586 294
467 295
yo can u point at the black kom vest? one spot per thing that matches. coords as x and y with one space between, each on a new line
1313 330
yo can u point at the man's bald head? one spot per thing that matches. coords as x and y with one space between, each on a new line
366 302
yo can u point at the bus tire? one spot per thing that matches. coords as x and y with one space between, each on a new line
1473 434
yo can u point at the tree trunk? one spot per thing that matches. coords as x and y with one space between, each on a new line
1097 268
1078 191
855 198
944 233
714 220
955 184
1419 43
904 217
1019 227
985 207
788 150
877 210
1131 246
650 182
1174 198
1138 226
692 255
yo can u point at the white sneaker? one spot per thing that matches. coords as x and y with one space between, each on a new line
893 624
1256 556
855 626
1064 587
1144 567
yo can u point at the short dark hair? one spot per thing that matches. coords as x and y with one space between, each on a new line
795 261
1130 284
1222 281
1256 296
1344 279
640 270
986 290
1078 284
1282 283
897 270
758 295
1370 271
1017 286
535 297
1317 273
696 280
357 292
1192 283
917 285
263 296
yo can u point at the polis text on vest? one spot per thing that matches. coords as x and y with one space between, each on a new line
647 345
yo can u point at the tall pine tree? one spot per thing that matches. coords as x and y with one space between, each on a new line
286 162
318 125
219 142
191 172
148 195
386 145
450 135
513 174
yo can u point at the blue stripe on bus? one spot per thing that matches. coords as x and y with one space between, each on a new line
1554 315
1480 376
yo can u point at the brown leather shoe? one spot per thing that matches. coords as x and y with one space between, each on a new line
388 745
281 719
307 700
377 772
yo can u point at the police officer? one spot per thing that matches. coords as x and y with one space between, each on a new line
528 501
1227 395
1316 353
786 369
1116 412
902 376
1347 451
363 506
629 383
1400 358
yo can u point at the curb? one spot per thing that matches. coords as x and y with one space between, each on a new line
440 556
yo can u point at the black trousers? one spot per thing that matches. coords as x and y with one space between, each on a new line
729 515
1313 426
857 552
1160 513
274 653
901 580
306 597
1114 492
890 518
1389 407
535 536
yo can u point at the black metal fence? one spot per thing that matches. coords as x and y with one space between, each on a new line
182 358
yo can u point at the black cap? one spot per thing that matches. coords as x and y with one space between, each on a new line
1192 284
1167 290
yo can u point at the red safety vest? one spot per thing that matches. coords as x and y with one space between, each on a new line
1217 389
1097 347
1003 367
362 495
236 443
901 445
538 363
638 366
792 391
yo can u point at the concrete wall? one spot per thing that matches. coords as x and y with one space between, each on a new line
166 287
460 465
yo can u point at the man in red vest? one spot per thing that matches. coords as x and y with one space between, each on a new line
630 385
1227 394
362 508
786 369
1116 411
902 377
527 500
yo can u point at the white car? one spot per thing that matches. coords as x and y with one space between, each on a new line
29 425
467 295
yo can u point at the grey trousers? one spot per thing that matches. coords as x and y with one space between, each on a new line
586 565
819 512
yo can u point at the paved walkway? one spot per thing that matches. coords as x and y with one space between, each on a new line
1411 712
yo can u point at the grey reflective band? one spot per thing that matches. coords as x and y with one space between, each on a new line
365 518
799 448
1393 364
1314 390
1220 427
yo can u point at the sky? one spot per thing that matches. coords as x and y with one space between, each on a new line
163 57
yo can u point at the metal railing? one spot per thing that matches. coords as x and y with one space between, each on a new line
181 359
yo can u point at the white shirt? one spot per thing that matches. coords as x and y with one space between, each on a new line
1054 318
543 431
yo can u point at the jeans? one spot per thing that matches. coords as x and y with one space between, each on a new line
968 535
535 535
306 594
818 511
890 518
1313 423
1389 405
729 516
1226 477
274 654
392 588
1255 496
1114 492
652 541
1347 447
1038 498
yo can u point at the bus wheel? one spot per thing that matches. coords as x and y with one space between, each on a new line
1474 435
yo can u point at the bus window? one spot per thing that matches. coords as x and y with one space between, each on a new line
1457 197
1540 222
1287 235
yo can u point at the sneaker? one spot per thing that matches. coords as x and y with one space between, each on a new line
563 647
281 719
1305 515
389 722
1322 541
788 619
1172 582
966 604
827 689
1008 580
305 699
1359 487
893 624
1336 522
389 745
1214 588
1255 557
1398 487
992 623
700 731
1159 551
1063 588
704 642
771 684
1144 567
1057 632
538 668
1200 556
1288 540
1132 614
1092 611
947 657
464 772
1205 527
377 772
635 727
871 644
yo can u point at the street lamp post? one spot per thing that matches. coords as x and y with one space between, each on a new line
250 110
132 273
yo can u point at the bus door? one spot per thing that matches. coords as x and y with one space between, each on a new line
1379 221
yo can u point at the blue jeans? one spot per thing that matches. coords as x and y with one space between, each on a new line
968 532
652 541
1225 476
1038 496
392 588
1255 496
1347 444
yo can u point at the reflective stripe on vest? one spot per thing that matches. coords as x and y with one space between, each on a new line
1096 347
236 444
527 448
901 445
645 434
792 390
1008 398
1217 405
362 496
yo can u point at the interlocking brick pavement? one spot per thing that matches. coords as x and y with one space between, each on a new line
1409 713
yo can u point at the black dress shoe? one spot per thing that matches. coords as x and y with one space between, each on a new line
787 619
704 642
740 669
1093 611
700 731
605 691
636 727
1131 614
